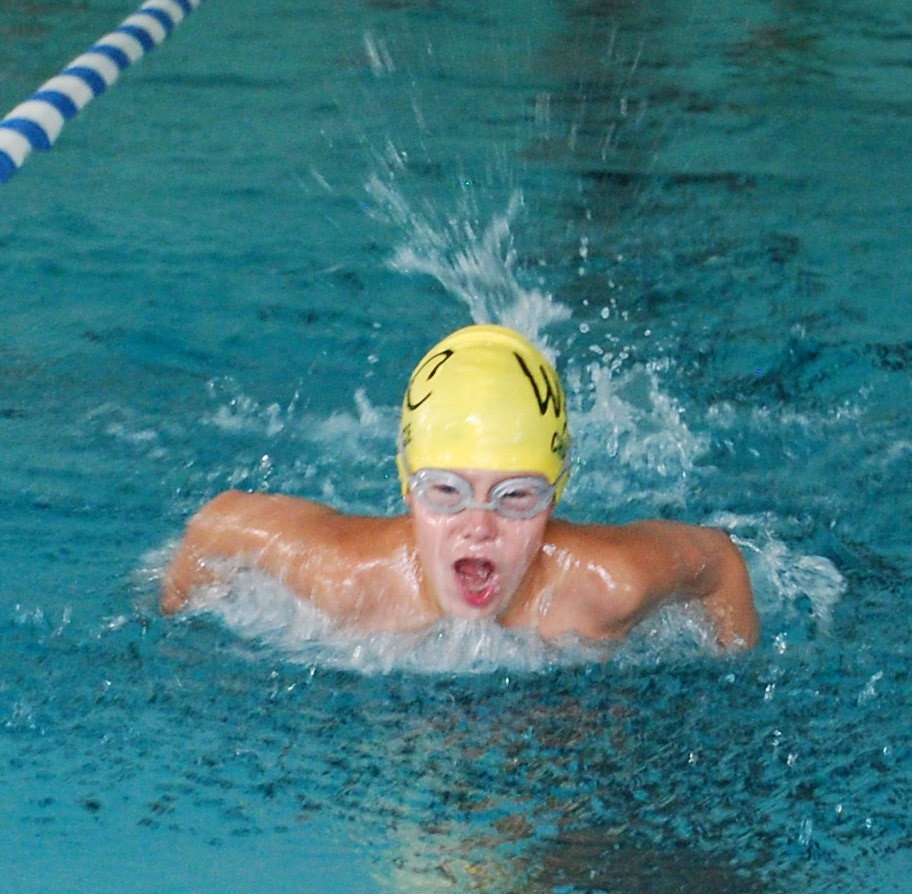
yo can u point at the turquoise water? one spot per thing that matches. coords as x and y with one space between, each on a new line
221 276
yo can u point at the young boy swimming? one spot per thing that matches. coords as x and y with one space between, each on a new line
483 456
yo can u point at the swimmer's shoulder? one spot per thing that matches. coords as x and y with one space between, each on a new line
275 513
242 504
626 546
615 574
594 577
582 543
292 517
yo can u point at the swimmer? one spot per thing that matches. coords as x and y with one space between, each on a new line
483 457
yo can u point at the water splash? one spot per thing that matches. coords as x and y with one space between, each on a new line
622 413
262 611
788 586
236 412
476 263
265 615
630 435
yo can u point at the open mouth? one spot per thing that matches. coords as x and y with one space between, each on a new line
476 580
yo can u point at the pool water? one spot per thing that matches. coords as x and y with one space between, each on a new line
221 276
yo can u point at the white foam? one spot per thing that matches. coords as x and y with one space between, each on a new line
260 609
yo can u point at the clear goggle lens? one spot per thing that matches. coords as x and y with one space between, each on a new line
448 493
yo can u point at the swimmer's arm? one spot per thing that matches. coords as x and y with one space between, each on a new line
266 531
693 562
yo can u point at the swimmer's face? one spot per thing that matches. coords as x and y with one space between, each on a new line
475 561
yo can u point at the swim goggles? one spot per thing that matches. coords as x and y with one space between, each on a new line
445 492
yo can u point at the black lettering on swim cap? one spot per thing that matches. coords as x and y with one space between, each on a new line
438 360
560 442
552 390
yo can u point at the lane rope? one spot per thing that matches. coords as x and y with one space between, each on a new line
37 122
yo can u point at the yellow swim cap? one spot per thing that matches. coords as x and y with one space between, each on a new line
485 398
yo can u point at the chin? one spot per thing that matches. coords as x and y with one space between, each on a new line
466 610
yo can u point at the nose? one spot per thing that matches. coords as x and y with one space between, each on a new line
479 525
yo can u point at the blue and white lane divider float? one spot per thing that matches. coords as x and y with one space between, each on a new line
37 122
